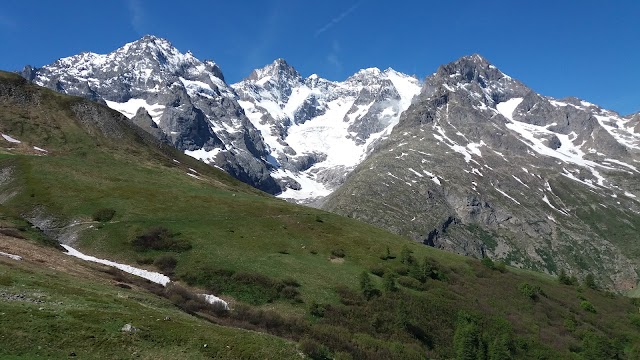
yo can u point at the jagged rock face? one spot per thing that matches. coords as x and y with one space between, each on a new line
316 130
186 98
481 165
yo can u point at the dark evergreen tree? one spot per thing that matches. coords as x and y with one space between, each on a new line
366 286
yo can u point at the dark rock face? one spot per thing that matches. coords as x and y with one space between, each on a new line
145 122
187 100
481 165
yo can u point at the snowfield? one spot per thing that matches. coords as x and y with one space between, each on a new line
145 274
11 256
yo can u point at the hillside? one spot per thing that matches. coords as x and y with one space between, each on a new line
482 165
85 176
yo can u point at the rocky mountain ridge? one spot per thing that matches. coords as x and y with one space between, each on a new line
484 166
274 130
186 98
470 160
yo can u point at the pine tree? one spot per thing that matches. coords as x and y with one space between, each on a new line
389 283
406 257
366 286
466 339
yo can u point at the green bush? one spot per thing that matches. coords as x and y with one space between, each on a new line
635 319
289 281
166 264
487 262
103 215
314 349
570 325
587 306
563 278
366 286
291 293
402 270
590 282
316 309
389 283
410 282
530 291
159 238
250 287
190 302
377 270
146 260
406 256
500 266
339 253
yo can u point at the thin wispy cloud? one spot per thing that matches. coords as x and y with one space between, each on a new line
333 57
338 18
136 16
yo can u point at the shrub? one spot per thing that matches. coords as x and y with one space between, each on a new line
166 263
291 293
500 266
289 281
366 286
186 300
314 349
406 256
159 238
590 282
146 260
402 270
12 232
316 309
410 282
487 262
103 215
389 283
563 278
530 291
348 296
250 287
635 319
587 306
570 325
377 270
339 253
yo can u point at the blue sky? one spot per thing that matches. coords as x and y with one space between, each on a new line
589 49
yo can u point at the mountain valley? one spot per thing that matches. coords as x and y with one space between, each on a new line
146 156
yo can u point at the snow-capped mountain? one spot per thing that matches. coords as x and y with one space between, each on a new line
482 165
274 130
186 98
471 160
317 130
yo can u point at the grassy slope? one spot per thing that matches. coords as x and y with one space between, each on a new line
84 313
233 227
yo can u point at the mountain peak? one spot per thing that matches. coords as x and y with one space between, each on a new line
278 70
150 43
471 68
152 39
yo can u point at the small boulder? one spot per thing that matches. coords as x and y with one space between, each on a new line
129 328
